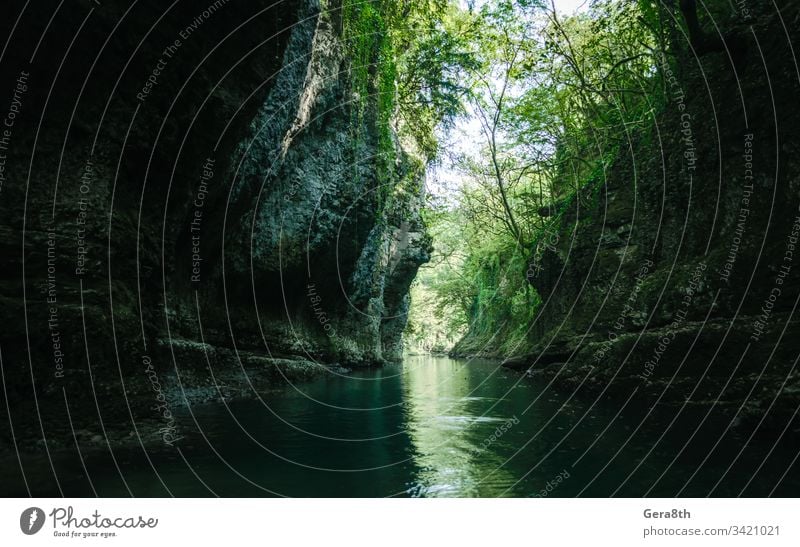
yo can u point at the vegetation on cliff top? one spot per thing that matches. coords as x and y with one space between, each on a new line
551 100
405 68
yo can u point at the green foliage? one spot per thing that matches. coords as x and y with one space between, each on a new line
440 295
433 38
368 46
404 64
557 98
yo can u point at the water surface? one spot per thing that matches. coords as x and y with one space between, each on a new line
434 426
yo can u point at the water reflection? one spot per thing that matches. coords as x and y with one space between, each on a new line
434 427
455 432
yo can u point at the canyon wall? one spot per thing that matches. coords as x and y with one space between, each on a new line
197 201
676 274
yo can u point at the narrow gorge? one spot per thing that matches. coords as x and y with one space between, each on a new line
422 248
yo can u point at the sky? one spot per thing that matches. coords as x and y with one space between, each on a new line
465 138
571 6
566 7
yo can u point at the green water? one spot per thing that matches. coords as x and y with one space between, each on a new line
439 427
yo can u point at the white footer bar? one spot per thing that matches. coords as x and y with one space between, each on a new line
394 522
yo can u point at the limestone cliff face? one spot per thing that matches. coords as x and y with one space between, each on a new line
318 248
182 192
678 274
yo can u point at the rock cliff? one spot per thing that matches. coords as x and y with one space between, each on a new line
677 274
197 201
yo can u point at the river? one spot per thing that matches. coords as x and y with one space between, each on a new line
434 426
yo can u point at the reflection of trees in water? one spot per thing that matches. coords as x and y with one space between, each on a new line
448 435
